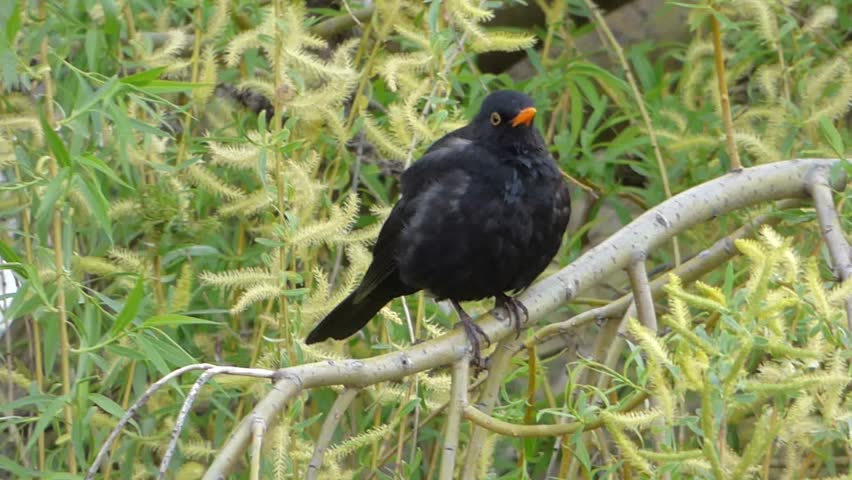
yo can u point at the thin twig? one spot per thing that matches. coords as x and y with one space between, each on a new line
422 423
458 401
190 400
427 108
606 336
727 122
520 431
327 432
128 415
832 232
58 255
500 362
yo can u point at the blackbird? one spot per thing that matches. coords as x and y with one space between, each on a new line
481 213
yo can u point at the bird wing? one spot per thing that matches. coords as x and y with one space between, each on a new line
437 162
384 252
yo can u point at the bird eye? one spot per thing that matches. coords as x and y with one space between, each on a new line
495 118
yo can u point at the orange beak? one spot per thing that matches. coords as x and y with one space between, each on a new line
525 117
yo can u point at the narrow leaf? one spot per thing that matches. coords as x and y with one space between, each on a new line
174 319
131 307
54 143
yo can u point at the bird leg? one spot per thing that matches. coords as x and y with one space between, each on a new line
515 309
473 331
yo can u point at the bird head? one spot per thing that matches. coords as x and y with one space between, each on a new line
505 121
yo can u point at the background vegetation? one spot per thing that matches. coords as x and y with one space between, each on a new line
200 182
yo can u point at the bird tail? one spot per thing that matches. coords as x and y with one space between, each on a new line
349 317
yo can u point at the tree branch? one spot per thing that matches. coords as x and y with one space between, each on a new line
770 182
702 263
832 232
500 362
328 428
518 431
128 415
642 292
458 401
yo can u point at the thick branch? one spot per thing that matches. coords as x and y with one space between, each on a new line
697 266
702 203
642 292
832 232
458 400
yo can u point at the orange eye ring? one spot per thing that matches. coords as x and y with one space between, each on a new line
495 119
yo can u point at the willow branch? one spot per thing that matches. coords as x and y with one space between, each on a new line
335 25
128 415
693 269
190 400
332 420
500 362
458 401
642 292
730 192
832 232
258 429
519 431
181 419
727 121
324 29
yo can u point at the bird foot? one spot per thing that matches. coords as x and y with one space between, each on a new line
516 310
474 333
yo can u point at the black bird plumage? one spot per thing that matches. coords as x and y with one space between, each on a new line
482 213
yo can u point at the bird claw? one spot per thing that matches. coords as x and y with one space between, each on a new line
515 309
473 332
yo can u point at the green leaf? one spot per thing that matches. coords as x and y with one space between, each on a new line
164 349
726 23
578 446
434 15
160 87
109 406
151 354
89 160
126 352
832 136
47 202
295 292
106 91
97 202
7 254
54 143
39 400
190 251
14 23
141 79
131 307
174 319
695 6
45 418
